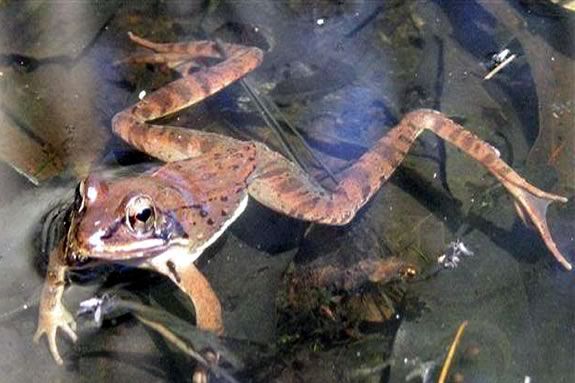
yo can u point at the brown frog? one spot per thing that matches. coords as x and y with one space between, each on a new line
164 219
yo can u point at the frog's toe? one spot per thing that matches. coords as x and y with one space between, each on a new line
49 326
69 329
51 333
52 346
69 325
531 205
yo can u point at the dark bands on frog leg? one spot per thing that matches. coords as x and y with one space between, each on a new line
271 173
203 81
404 139
164 104
290 185
467 142
454 135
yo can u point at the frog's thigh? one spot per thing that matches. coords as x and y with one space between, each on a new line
170 143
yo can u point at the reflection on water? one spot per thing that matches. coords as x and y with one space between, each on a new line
342 74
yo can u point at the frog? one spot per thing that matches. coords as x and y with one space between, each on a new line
166 217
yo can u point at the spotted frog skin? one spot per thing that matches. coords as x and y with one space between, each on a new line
164 219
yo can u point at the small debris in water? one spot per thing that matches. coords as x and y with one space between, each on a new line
96 306
499 61
498 58
452 256
142 94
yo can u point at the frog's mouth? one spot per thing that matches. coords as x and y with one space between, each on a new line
101 244
96 248
145 248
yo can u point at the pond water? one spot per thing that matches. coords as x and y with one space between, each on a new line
370 301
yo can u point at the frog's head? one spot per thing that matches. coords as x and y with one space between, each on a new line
143 217
123 219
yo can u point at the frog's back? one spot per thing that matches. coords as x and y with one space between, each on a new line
213 186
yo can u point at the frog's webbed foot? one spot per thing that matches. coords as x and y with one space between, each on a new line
531 205
180 56
50 320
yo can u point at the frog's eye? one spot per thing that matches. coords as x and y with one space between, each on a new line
140 215
79 197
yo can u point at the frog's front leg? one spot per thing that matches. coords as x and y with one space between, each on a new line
280 185
192 282
53 314
206 303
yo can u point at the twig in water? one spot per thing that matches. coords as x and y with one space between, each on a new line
503 64
451 352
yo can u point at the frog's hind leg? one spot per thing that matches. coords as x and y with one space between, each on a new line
281 186
132 125
181 56
200 48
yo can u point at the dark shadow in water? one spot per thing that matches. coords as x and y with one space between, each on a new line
153 365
